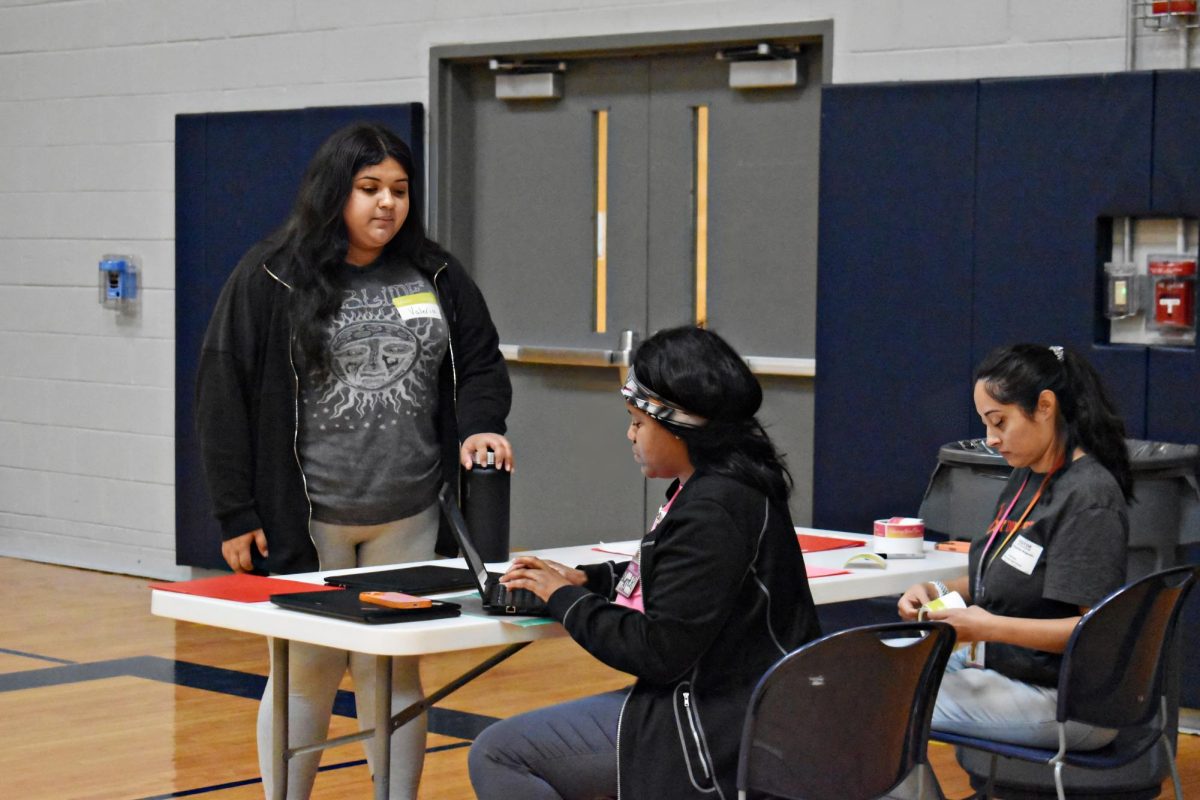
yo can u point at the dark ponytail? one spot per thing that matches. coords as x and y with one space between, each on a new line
697 370
1019 373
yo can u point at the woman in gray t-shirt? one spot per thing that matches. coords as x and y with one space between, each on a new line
349 369
1055 548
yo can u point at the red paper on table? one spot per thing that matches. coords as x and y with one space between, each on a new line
241 588
823 572
815 544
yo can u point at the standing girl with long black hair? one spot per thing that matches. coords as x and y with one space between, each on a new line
716 594
1056 546
349 368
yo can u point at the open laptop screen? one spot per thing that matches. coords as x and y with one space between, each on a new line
459 526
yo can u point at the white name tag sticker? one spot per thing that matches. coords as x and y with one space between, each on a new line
417 306
1023 555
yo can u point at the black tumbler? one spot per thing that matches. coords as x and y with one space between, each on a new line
485 508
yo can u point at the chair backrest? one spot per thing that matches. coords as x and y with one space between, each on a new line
1112 668
845 716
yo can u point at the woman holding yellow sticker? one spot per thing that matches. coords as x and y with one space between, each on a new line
1056 547
349 368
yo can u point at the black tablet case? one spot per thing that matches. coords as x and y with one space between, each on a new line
346 605
425 579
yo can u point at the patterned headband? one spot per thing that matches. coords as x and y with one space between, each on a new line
654 406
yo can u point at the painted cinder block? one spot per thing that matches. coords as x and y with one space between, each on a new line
24 491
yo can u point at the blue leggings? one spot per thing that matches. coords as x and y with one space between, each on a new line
984 703
562 752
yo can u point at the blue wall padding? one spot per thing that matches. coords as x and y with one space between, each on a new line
1056 155
958 216
1176 183
1173 385
236 175
893 293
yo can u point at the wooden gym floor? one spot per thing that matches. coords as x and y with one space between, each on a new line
101 700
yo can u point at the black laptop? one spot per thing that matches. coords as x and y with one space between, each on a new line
344 604
497 598
423 579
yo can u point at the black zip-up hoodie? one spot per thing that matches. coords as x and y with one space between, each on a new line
247 396
726 596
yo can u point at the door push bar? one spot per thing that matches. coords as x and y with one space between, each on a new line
622 357
573 356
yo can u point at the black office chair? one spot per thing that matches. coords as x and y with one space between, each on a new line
1112 676
845 717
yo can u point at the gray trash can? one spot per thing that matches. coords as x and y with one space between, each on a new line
1163 520
961 496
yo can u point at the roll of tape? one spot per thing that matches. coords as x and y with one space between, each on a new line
900 537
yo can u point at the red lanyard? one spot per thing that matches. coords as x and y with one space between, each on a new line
1001 520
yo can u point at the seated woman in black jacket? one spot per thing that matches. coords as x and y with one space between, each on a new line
716 594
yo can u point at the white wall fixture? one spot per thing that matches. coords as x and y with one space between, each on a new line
762 66
528 80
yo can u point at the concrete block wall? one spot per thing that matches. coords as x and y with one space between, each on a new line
89 90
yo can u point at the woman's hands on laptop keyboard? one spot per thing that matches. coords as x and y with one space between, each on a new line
541 577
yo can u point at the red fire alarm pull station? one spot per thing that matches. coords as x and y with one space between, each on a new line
1174 296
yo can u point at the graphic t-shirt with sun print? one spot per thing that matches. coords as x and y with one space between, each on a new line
368 439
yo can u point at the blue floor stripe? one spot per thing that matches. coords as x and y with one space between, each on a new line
247 782
23 654
458 724
442 721
251 781
71 673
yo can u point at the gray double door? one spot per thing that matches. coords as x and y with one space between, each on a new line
648 195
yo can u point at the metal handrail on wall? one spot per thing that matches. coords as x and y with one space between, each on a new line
622 356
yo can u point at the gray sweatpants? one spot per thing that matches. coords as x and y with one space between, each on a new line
562 752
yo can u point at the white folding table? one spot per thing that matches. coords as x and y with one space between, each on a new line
470 631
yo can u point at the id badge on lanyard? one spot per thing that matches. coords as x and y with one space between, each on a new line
984 561
631 577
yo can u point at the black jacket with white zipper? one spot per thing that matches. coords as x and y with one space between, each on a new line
247 399
725 596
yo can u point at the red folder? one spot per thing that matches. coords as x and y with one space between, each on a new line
815 544
241 588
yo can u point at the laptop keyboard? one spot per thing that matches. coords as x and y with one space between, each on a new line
514 600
